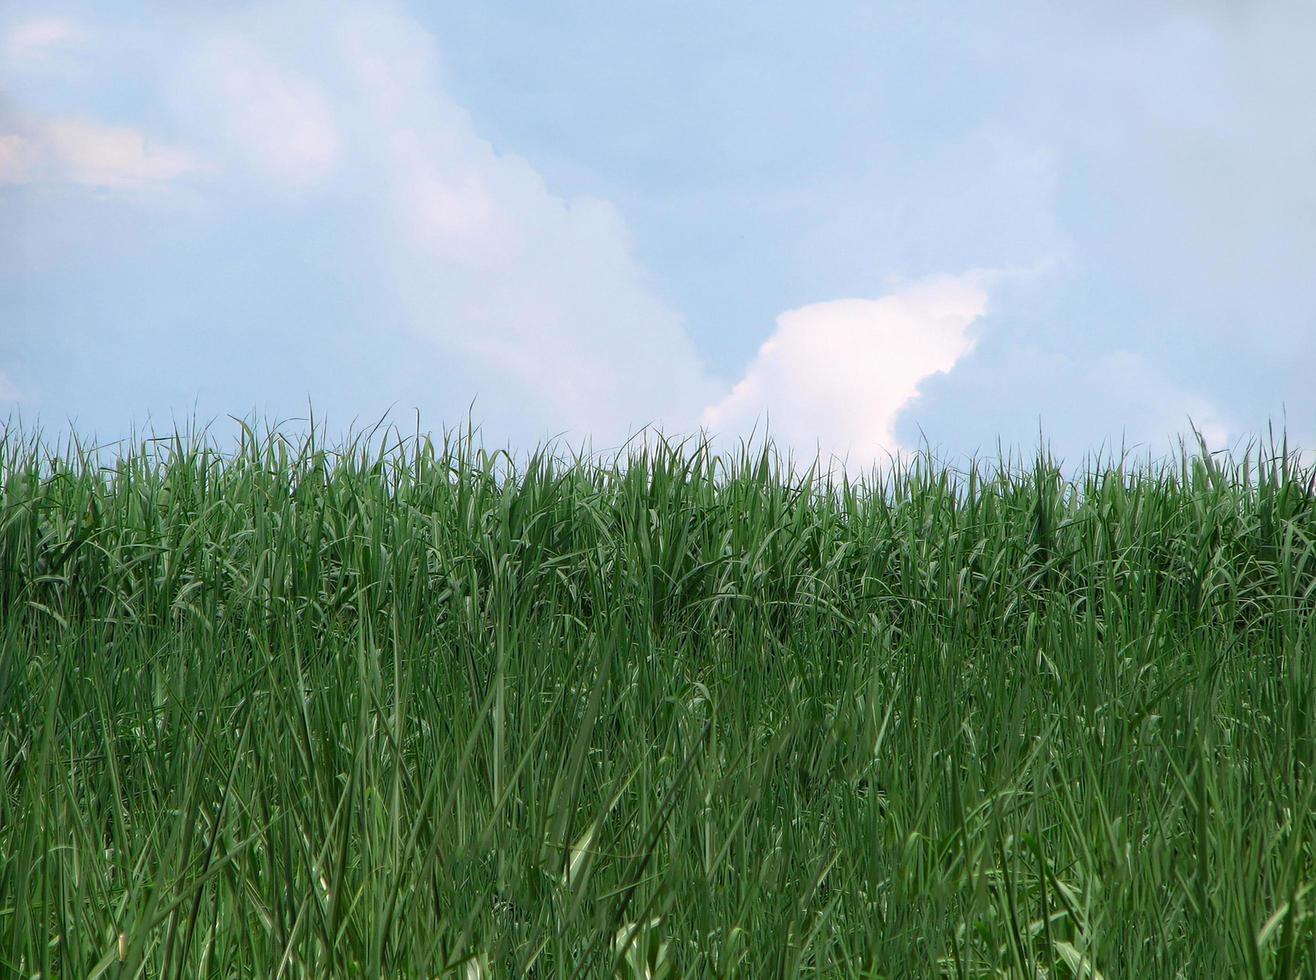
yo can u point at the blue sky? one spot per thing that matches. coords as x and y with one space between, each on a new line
870 223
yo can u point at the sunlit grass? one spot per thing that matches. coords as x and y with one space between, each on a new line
411 708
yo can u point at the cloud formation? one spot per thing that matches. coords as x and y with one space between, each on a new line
496 275
472 276
273 120
73 148
83 151
837 375
30 40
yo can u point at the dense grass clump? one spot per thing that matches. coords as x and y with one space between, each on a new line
416 709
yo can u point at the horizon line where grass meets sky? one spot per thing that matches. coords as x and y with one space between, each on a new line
874 225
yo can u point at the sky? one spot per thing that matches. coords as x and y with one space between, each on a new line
868 228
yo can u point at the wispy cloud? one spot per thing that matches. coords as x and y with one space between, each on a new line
1155 401
8 390
17 159
540 291
34 39
92 154
275 120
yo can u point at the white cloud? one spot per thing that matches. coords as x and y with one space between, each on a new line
482 281
98 155
837 375
16 159
34 39
277 121
506 288
81 151
493 266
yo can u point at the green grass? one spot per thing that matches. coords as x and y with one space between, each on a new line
416 709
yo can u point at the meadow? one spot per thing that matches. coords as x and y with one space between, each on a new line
406 706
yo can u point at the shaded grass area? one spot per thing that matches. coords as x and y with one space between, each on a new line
411 708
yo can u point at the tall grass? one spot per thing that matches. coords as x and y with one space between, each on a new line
412 708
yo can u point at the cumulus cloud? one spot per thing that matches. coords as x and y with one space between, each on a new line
476 279
92 154
837 375
493 283
495 267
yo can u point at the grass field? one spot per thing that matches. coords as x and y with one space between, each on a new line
411 708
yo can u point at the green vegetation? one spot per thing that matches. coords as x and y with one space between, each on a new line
418 709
